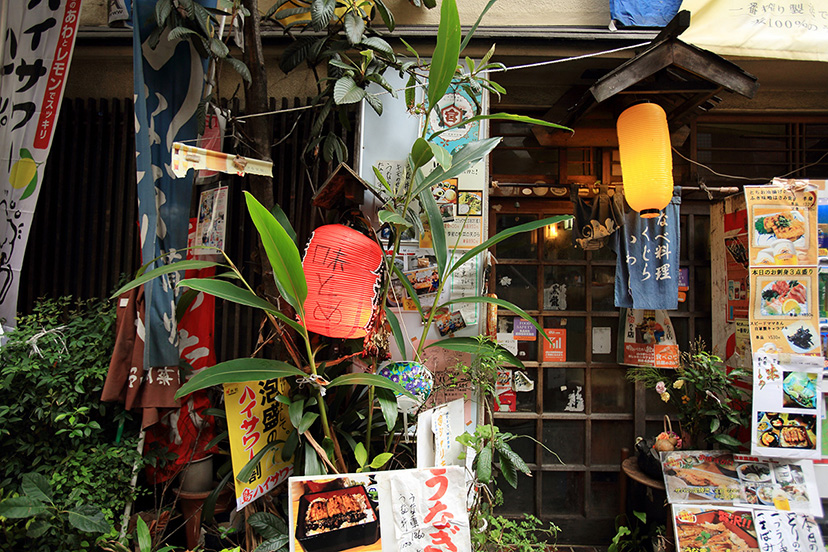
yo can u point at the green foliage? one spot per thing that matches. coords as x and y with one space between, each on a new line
53 425
527 534
635 535
710 406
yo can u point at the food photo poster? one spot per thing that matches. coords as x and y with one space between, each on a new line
399 510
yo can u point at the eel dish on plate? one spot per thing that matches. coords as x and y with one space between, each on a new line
337 512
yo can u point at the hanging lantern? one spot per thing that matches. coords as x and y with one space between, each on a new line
646 159
342 267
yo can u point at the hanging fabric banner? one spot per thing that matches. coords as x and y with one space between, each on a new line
647 259
168 84
38 47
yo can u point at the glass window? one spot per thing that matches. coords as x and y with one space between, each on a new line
563 390
608 438
564 288
602 291
565 438
519 246
518 284
611 392
605 333
563 493
605 493
558 244
572 330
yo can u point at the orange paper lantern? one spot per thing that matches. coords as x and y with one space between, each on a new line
342 267
646 159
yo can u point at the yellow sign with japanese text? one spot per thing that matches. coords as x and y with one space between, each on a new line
254 419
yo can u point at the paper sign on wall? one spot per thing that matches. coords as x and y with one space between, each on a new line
554 348
254 419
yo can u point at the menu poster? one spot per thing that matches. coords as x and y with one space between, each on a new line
784 314
786 406
646 338
714 529
781 531
786 485
782 224
700 476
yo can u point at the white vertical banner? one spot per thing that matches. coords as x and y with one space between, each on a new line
39 39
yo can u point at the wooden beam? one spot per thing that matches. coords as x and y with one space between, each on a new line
583 137
714 68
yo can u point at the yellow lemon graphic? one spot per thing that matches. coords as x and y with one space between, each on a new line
791 306
22 173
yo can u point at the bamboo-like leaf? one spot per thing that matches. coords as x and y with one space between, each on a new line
307 421
394 322
476 24
502 117
390 217
503 234
388 404
441 155
408 288
473 346
283 255
238 370
247 470
437 229
462 159
313 464
283 219
369 379
410 92
295 412
236 294
502 303
143 534
190 264
446 53
209 508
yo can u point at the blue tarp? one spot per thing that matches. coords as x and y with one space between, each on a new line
643 13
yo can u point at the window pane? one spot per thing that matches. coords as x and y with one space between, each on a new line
563 492
517 501
653 405
564 288
604 253
524 447
605 497
702 293
527 350
600 327
603 288
518 284
701 238
558 244
519 246
611 392
608 438
683 253
682 332
566 439
574 332
563 390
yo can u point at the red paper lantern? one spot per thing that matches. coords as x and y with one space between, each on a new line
342 267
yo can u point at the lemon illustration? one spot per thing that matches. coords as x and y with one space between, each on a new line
791 306
22 172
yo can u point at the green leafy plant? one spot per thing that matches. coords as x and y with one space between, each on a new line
711 405
526 534
638 535
46 515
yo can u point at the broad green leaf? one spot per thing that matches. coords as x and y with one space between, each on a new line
143 534
360 454
375 102
247 470
462 159
37 528
390 217
378 44
714 425
283 255
354 27
346 91
446 53
386 15
408 288
388 404
267 525
474 28
437 229
36 486
190 264
321 13
397 331
505 450
307 421
18 507
369 379
381 459
474 347
276 544
89 519
502 303
283 219
240 67
642 516
291 443
727 440
420 154
441 155
313 464
508 470
502 235
236 294
502 117
238 370
382 181
484 466
295 412
410 92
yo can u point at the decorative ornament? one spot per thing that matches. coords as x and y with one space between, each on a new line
416 379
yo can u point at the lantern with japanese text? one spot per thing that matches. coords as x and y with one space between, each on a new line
646 158
342 267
